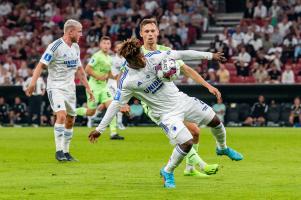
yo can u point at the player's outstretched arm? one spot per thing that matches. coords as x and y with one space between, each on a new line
36 74
191 73
110 114
83 79
196 55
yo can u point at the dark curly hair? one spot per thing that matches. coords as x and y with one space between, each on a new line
130 48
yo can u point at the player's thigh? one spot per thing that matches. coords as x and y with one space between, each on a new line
106 97
176 131
92 105
57 100
193 128
198 112
70 104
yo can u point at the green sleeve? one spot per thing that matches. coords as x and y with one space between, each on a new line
93 61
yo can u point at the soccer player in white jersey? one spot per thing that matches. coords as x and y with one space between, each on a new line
170 106
117 62
62 58
149 32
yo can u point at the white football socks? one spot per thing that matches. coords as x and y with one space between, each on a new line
68 133
175 159
59 136
219 133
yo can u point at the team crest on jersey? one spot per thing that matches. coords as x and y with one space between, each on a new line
47 57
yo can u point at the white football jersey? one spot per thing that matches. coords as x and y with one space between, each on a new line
161 97
62 61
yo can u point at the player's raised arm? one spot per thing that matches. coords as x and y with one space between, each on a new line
36 74
195 55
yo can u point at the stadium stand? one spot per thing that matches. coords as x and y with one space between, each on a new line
262 44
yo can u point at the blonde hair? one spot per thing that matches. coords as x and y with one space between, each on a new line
71 23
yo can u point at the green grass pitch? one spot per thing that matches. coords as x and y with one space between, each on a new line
130 169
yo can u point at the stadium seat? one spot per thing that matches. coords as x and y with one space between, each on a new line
250 79
237 79
244 111
232 115
285 112
273 114
230 66
298 79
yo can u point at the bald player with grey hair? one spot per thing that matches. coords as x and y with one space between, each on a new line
62 59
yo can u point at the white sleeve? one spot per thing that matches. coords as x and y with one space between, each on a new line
189 55
78 54
110 114
122 96
47 56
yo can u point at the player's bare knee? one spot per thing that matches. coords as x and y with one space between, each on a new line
186 147
214 122
69 122
61 117
90 112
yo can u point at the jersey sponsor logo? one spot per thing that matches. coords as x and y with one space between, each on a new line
47 57
154 87
148 76
139 83
71 63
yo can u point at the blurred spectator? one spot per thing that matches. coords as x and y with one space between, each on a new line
35 101
288 76
10 66
274 75
18 113
295 115
256 42
284 26
249 11
276 37
212 76
5 7
182 31
242 62
4 112
238 35
260 74
5 76
260 10
136 112
23 71
151 5
175 39
274 12
47 38
223 74
220 109
258 113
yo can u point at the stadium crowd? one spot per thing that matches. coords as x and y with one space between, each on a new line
27 27
264 48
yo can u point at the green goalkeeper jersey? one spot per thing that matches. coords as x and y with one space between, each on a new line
101 64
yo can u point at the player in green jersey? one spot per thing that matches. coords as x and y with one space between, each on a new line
99 70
